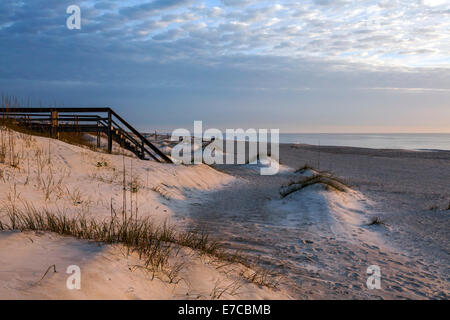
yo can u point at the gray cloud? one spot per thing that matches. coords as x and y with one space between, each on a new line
178 53
144 9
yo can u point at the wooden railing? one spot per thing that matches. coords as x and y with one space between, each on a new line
89 120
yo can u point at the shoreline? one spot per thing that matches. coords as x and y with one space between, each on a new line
341 145
386 152
363 148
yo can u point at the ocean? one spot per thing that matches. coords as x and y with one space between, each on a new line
408 141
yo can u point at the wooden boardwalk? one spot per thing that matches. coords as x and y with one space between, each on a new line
87 120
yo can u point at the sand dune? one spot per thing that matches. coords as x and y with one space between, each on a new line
315 239
74 181
324 240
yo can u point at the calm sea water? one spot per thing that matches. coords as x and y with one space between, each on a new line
409 141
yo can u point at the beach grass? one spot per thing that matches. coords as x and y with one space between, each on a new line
376 221
304 168
325 179
153 243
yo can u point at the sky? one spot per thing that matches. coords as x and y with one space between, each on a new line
300 66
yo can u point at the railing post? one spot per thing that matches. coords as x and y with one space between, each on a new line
75 123
54 116
98 134
109 132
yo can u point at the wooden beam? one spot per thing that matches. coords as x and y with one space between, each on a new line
109 132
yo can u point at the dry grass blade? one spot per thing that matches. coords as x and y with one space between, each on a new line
48 269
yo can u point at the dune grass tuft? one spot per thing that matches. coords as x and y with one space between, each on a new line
153 243
436 207
328 180
376 221
304 168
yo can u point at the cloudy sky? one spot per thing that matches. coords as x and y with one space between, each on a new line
301 66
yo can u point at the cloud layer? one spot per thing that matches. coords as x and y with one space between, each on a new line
228 56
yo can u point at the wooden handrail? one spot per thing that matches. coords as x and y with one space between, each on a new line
144 140
36 116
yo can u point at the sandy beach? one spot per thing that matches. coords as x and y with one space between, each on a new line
322 241
315 243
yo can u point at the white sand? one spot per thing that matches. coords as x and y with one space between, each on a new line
108 272
318 239
321 239
74 181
